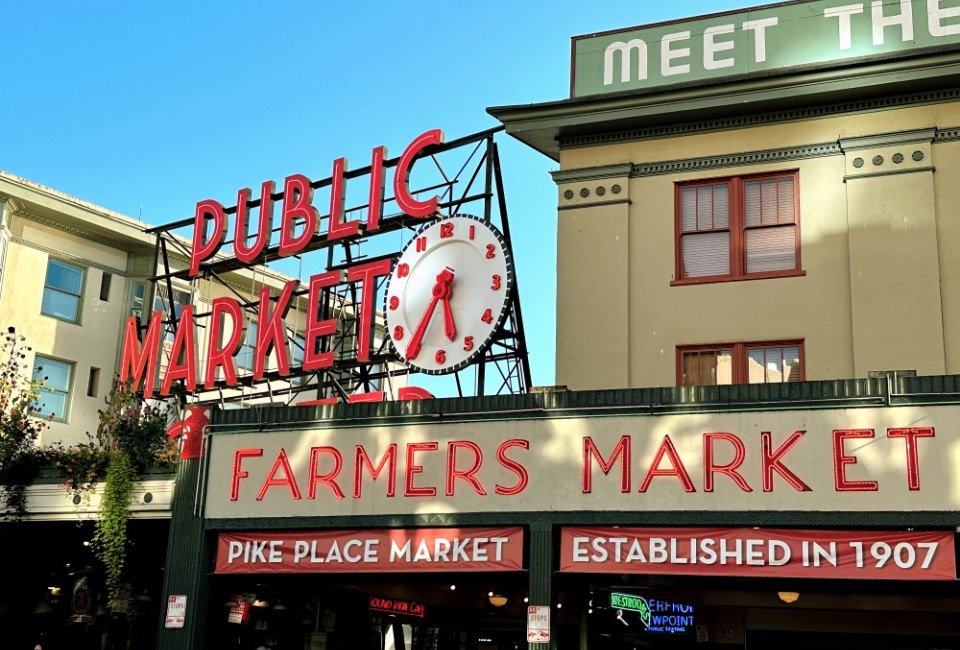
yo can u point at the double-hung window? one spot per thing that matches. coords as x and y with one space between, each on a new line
62 289
738 228
740 363
57 377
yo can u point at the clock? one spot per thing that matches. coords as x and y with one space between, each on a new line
448 294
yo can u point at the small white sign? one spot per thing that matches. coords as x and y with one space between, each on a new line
176 611
538 624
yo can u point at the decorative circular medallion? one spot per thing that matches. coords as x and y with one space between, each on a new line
615 189
918 155
878 160
601 190
448 294
858 162
568 194
584 192
897 158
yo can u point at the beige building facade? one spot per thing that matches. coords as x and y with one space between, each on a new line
792 225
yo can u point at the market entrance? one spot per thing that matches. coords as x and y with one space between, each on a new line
681 612
368 612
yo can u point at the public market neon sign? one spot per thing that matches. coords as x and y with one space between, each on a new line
138 364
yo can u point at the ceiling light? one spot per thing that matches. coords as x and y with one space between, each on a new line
453 587
497 600
788 597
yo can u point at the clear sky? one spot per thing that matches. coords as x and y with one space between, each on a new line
148 107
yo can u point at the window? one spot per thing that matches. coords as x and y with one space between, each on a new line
138 292
105 279
740 363
245 355
55 393
93 382
61 291
738 228
162 303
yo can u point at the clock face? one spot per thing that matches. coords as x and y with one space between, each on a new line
448 294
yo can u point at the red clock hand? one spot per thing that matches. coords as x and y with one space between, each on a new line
449 327
440 290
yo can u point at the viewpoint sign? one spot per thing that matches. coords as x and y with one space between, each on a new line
759 40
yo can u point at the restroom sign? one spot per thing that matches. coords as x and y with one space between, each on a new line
538 624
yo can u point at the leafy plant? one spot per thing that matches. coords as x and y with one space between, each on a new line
20 425
110 536
135 435
81 465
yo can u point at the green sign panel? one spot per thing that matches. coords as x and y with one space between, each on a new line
796 34
632 603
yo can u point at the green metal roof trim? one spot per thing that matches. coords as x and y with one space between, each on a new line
848 393
716 105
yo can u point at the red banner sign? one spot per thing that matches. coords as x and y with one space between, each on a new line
423 549
748 552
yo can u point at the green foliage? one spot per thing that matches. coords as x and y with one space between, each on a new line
136 435
110 536
81 465
20 425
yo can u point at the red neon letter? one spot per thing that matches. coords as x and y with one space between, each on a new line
409 489
367 275
239 473
412 393
271 334
621 451
337 228
401 188
366 398
772 462
282 462
142 361
913 461
362 460
313 360
667 449
330 477
841 460
375 207
265 221
183 347
522 477
202 250
730 469
222 357
297 204
469 474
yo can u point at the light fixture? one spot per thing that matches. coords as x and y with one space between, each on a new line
788 597
497 600
621 618
453 587
261 602
279 606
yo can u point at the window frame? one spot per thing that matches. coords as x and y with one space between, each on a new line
739 349
79 296
67 402
736 227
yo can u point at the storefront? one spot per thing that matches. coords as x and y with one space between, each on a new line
819 517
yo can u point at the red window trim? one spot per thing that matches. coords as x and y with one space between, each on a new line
737 229
739 349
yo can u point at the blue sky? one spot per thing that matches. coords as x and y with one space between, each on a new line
147 108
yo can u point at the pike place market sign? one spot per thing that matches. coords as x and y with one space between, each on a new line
760 40
865 459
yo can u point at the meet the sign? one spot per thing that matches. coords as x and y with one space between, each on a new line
759 40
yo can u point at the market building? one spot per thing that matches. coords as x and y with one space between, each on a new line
753 440
757 318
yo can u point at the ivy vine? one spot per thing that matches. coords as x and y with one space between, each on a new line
110 535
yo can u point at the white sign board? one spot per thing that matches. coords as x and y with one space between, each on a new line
538 624
176 611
